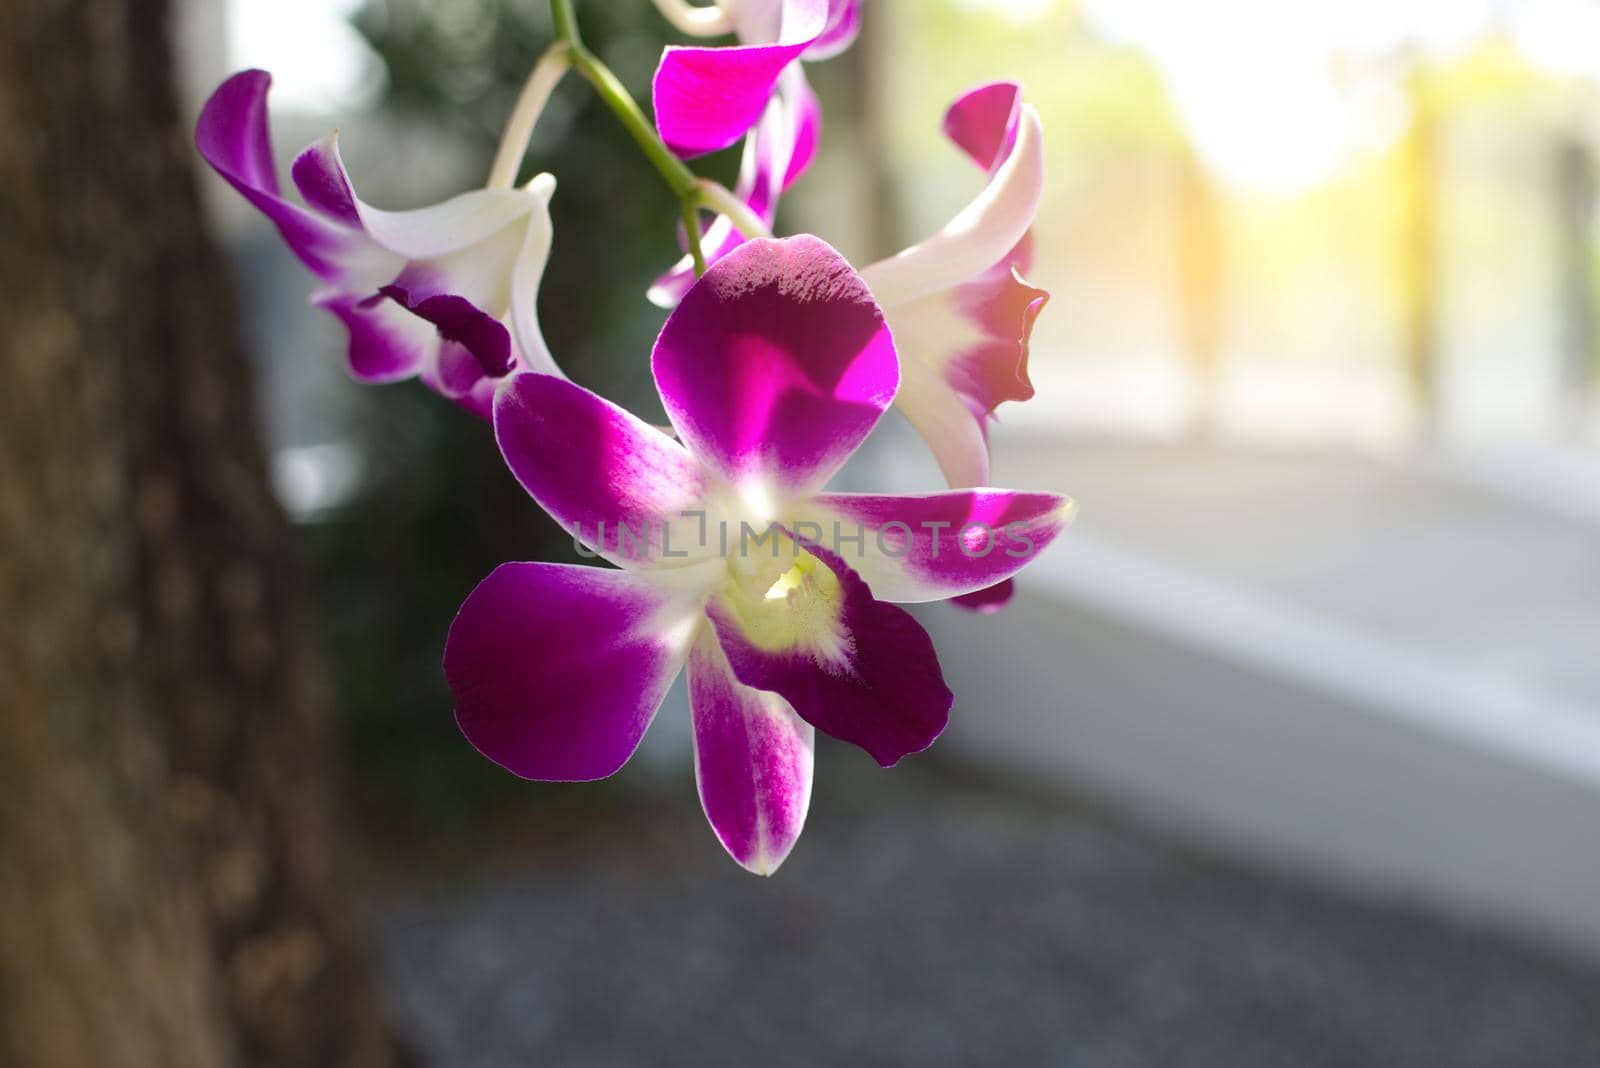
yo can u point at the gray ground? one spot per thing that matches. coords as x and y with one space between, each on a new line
924 921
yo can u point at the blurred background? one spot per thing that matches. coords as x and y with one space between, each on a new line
1288 753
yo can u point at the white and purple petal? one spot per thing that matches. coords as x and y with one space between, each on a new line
776 365
470 266
557 670
619 485
963 334
753 760
1001 307
852 666
934 546
233 136
844 24
954 426
981 234
473 268
387 343
964 351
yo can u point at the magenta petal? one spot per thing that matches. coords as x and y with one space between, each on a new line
983 122
941 545
587 462
233 137
752 761
777 364
456 375
479 400
989 600
386 343
706 98
882 690
557 670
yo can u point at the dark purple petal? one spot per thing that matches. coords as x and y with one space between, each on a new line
557 670
386 343
752 761
983 122
989 600
587 461
233 137
706 98
940 545
456 318
876 684
777 364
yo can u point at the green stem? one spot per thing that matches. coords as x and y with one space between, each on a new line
691 225
679 178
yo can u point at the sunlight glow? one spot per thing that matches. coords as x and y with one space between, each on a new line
318 61
1270 91
1016 10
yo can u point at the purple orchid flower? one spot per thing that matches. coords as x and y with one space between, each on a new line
445 293
707 98
733 560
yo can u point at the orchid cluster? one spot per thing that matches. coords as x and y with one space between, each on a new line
775 363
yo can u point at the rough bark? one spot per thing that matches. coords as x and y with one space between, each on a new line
168 887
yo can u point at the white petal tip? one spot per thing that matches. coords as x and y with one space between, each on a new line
765 867
542 185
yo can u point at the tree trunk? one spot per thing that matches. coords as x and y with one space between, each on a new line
168 887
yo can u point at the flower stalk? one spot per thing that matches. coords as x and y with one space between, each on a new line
679 178
744 219
547 74
709 21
